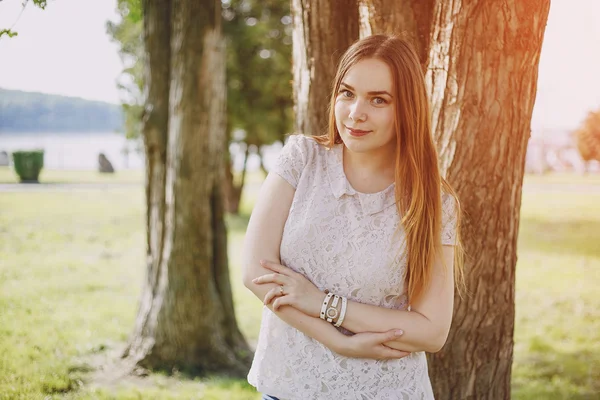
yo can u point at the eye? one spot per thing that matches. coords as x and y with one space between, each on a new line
379 101
346 93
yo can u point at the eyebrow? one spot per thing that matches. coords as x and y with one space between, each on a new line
370 93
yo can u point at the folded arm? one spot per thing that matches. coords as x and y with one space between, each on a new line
263 241
427 325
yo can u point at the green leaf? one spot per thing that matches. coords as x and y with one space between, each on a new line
8 32
41 3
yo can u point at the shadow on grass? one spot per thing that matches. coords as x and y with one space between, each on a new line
575 237
155 384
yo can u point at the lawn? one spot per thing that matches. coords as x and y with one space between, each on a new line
49 176
128 176
71 269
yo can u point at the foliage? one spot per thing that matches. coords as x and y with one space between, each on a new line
128 34
28 164
37 112
8 32
259 92
38 3
588 137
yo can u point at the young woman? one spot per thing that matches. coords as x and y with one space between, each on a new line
352 242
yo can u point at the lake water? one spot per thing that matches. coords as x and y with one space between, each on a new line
75 150
80 150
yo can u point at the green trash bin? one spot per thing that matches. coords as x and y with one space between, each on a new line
28 165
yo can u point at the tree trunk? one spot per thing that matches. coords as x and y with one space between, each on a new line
186 319
155 125
261 160
323 30
233 192
410 18
483 81
482 74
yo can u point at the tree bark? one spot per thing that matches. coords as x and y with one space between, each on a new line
186 319
412 19
323 30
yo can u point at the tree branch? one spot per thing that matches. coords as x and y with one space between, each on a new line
38 3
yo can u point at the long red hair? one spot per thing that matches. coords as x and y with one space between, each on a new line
418 181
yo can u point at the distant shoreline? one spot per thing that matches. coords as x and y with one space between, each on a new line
48 113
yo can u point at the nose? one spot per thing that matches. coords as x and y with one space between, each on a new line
357 112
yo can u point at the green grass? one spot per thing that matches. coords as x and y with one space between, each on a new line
557 333
71 269
563 177
49 176
8 175
70 278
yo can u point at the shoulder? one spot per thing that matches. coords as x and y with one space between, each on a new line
298 153
304 149
306 144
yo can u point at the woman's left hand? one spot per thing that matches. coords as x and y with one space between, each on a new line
293 289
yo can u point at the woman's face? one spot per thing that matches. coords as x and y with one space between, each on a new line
364 107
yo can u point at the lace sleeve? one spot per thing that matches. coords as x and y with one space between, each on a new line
292 159
449 220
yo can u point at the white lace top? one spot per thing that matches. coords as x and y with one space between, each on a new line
344 241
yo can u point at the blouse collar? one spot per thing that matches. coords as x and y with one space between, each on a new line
371 203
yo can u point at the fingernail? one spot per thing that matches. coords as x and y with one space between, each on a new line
399 332
254 280
262 261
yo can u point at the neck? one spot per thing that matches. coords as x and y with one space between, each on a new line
379 163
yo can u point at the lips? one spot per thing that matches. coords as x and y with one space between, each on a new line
356 132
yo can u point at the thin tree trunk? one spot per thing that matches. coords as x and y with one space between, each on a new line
261 160
244 171
155 126
190 322
323 30
233 192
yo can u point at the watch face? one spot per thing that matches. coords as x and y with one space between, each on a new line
332 312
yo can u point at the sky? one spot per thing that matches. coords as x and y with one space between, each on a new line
65 50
